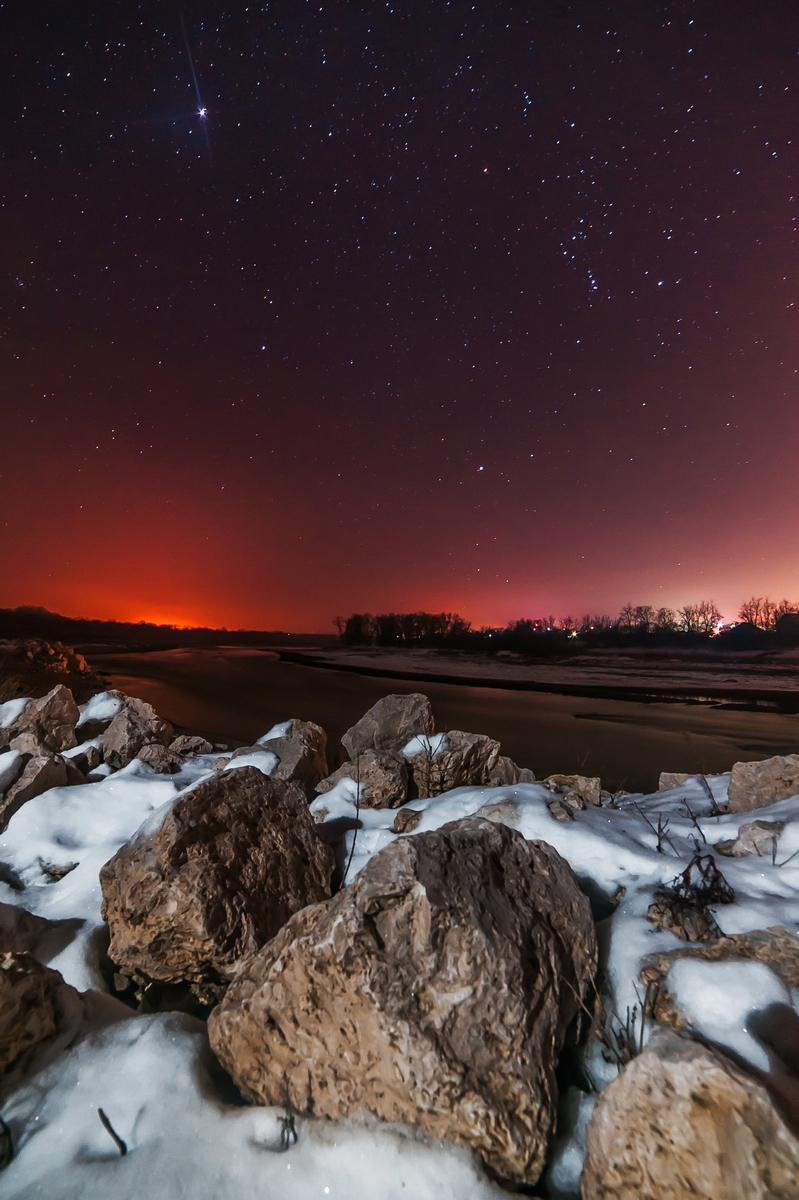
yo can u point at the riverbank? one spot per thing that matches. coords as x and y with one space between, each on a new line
232 694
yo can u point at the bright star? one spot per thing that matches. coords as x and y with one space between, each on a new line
202 112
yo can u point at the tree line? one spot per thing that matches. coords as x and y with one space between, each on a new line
694 621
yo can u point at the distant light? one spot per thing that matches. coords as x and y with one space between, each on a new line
203 112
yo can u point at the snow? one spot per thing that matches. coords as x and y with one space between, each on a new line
102 707
264 760
9 765
153 1075
716 998
277 731
11 710
422 744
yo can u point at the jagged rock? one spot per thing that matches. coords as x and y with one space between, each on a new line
434 991
161 758
390 724
775 947
406 820
505 773
464 760
41 772
48 724
384 778
312 736
220 763
756 784
674 779
560 811
227 867
584 787
135 725
28 1011
87 760
683 1121
187 745
756 837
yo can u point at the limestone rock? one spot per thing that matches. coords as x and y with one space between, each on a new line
434 991
384 776
28 1011
756 784
505 773
683 1122
467 761
87 760
407 820
229 864
187 745
21 930
756 837
390 724
41 772
585 787
163 759
312 736
136 724
561 811
48 724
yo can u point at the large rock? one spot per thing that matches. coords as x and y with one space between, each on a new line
505 773
40 773
301 752
464 760
384 778
756 784
434 991
187 745
12 764
683 1122
390 724
28 1012
48 724
135 725
164 760
228 865
575 788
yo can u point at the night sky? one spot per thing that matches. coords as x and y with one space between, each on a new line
482 307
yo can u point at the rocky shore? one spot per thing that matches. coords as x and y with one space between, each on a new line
398 967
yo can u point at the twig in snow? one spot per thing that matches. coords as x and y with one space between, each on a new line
785 861
288 1127
661 832
697 826
121 1146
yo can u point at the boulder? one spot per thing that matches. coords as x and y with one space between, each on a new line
310 735
756 784
87 759
587 788
756 837
48 724
28 1012
98 713
505 773
683 1121
464 760
40 773
434 991
163 759
384 777
188 745
230 862
390 724
135 725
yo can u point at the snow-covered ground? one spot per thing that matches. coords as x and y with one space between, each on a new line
154 1076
